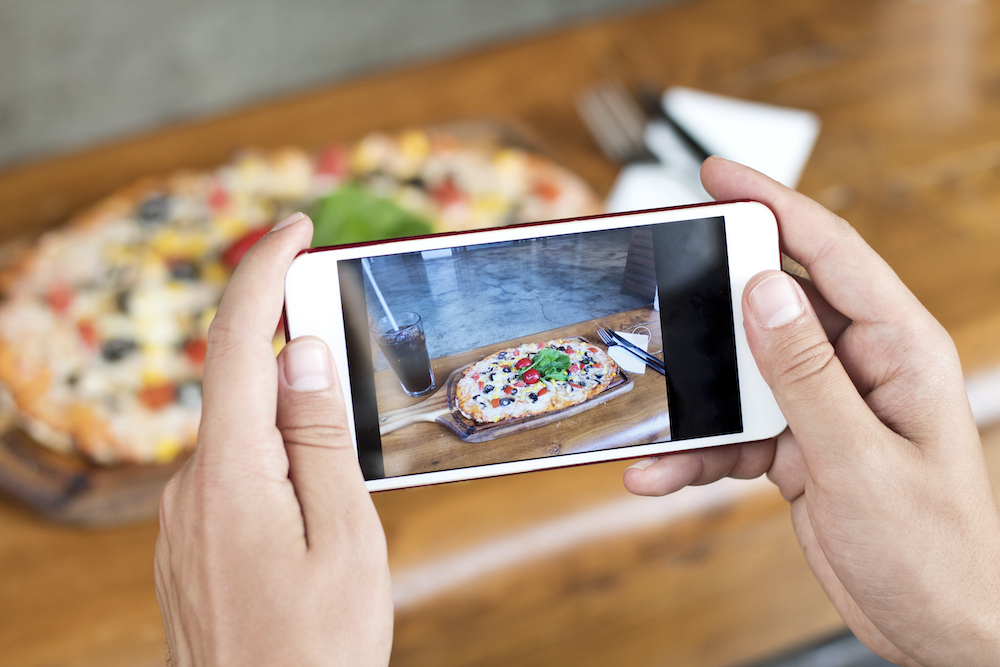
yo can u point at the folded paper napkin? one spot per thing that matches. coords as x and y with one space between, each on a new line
774 140
628 361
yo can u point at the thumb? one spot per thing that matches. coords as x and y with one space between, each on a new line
820 402
312 418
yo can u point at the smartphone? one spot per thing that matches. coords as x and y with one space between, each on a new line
480 353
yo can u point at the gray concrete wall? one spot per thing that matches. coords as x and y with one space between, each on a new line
78 72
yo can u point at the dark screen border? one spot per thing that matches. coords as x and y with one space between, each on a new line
359 357
696 322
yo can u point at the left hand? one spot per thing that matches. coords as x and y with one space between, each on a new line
270 550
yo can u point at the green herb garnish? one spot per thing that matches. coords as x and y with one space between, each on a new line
551 364
352 214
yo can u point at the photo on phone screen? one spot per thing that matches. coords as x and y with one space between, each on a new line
490 353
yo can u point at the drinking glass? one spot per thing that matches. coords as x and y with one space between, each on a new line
405 346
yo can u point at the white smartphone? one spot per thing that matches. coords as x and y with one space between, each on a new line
500 351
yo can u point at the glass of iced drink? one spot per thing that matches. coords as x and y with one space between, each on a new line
406 349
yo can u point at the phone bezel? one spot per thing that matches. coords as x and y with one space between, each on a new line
752 242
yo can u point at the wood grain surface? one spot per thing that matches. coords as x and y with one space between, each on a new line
911 137
630 413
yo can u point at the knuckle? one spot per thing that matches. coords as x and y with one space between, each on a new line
803 361
841 232
221 337
753 459
168 499
329 435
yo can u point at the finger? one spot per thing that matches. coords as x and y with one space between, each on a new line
788 472
665 474
323 465
240 384
856 620
854 279
856 282
829 418
833 321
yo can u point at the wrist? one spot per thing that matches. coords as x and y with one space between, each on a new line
972 625
984 636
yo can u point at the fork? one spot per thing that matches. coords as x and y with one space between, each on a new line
616 121
610 338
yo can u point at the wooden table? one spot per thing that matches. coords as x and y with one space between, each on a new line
635 414
911 138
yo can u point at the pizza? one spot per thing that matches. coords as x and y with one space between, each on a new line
533 379
103 321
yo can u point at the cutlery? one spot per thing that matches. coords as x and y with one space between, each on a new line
618 123
650 100
610 338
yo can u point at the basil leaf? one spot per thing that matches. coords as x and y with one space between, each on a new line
352 214
551 364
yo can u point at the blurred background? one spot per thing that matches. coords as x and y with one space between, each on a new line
76 73
557 567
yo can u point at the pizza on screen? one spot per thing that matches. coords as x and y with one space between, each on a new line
513 325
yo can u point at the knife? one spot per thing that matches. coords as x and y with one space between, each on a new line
652 102
650 360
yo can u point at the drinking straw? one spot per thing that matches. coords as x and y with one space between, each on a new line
378 293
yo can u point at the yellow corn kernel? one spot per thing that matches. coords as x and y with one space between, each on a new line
231 227
153 378
509 159
291 173
153 268
118 253
166 450
490 203
214 272
415 145
205 319
369 152
175 244
251 171
156 360
488 209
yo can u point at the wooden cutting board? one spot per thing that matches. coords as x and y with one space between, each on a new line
68 489
441 407
424 435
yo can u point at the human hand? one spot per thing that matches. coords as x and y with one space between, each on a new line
270 550
882 462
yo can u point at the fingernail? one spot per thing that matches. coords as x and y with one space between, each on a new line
307 365
776 301
290 220
643 464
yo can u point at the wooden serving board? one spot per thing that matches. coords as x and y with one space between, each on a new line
441 407
413 440
68 489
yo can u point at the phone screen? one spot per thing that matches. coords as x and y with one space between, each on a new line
484 354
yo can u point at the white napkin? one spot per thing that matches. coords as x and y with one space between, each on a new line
628 361
774 140
642 186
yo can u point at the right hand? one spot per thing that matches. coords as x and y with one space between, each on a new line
882 462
